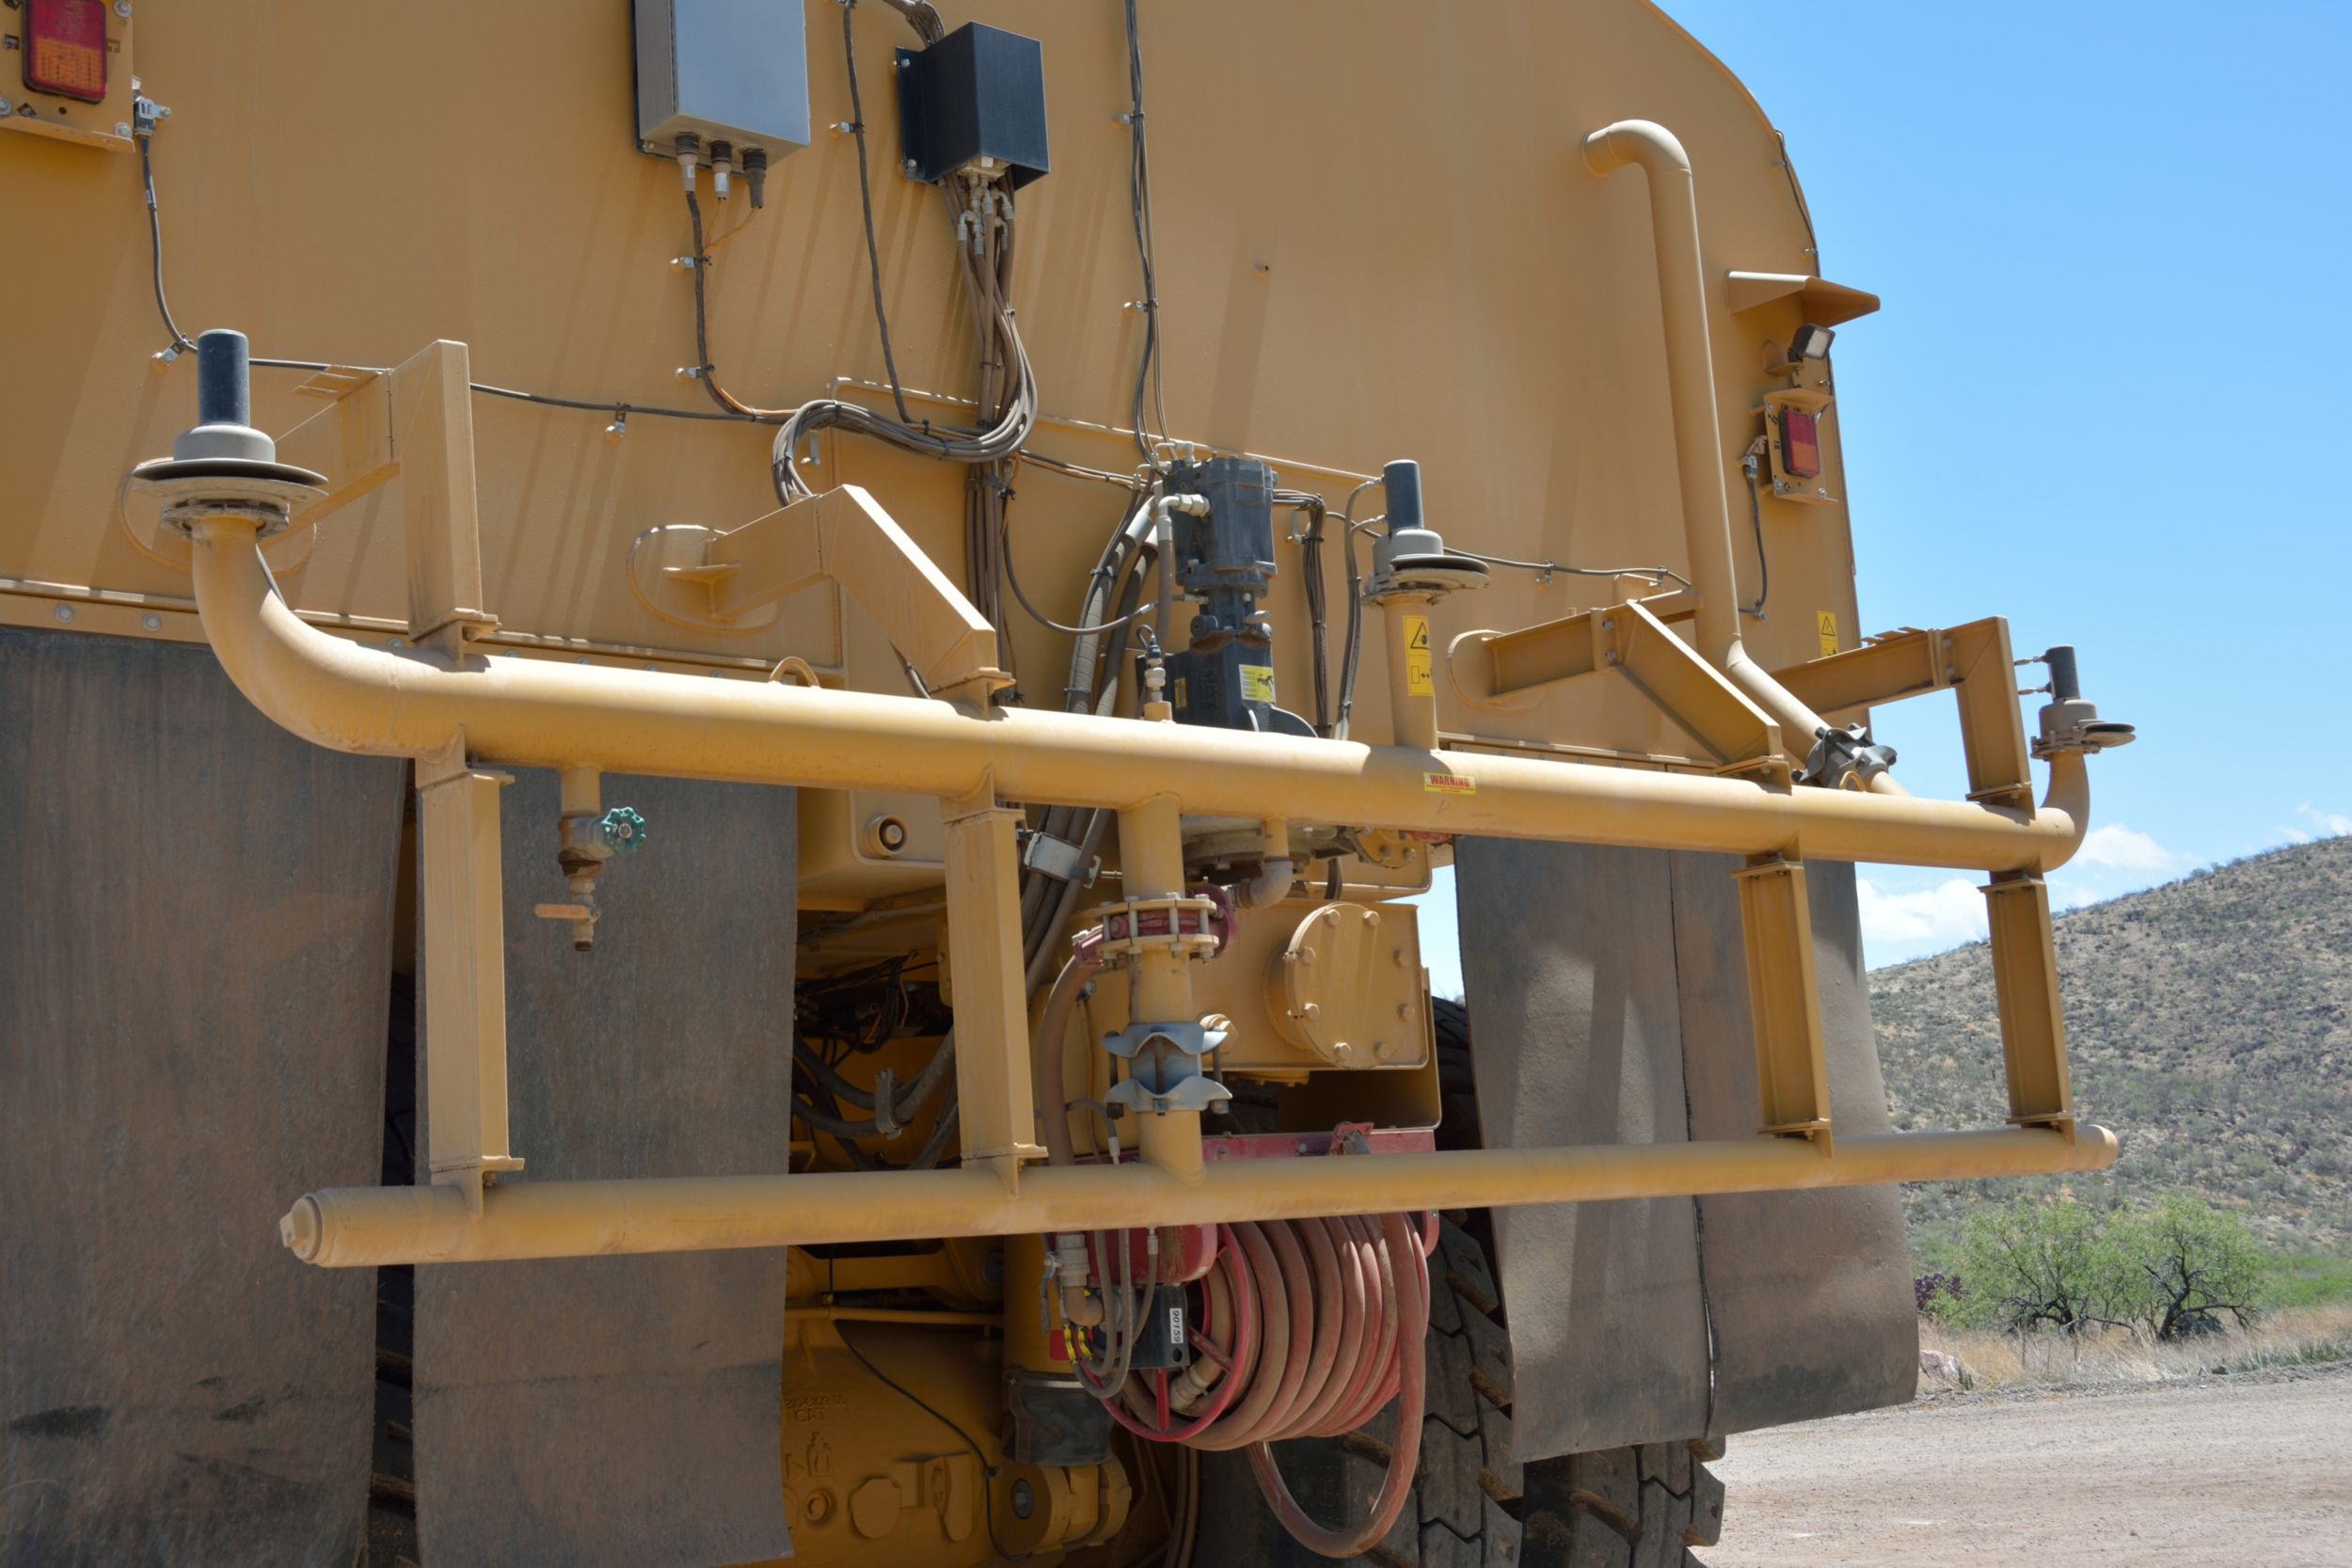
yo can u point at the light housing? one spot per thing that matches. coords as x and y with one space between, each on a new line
65 49
1800 443
1811 342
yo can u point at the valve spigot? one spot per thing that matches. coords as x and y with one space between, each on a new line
624 830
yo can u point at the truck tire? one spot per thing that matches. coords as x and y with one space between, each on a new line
1475 1505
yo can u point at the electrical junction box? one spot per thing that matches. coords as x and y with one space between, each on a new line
731 70
975 98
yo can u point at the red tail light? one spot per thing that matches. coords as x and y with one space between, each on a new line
1800 444
64 48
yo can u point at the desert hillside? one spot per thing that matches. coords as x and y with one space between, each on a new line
2211 1026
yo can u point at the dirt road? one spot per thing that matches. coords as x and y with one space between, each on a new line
2251 1471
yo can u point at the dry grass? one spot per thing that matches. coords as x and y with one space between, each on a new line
2298 1335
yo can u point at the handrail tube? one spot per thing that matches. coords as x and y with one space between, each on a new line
541 713
361 1227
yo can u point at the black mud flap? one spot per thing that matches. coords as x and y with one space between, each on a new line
1608 1002
581 1413
196 948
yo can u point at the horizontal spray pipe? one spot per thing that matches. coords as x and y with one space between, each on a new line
359 1227
540 713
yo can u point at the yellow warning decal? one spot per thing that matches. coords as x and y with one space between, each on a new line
1826 621
1416 664
1257 683
1448 784
1180 692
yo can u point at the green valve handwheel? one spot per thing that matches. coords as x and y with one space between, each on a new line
623 830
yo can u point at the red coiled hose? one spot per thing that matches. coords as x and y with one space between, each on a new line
1310 1327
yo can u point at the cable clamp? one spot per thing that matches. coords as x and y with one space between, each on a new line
1059 859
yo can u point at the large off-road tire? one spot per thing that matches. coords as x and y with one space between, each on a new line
1474 1504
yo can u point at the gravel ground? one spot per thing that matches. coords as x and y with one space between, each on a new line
2249 1471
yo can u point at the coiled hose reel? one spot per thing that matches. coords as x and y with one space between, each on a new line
1306 1329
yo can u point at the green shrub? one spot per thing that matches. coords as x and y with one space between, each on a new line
2186 1266
2171 1269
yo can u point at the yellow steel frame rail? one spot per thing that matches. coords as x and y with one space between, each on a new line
359 1227
459 712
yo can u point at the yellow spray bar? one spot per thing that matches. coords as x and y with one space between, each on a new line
359 1226
540 713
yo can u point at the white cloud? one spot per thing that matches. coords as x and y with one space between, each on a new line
2121 849
1949 913
2331 823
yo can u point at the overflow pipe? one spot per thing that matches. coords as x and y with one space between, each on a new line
1699 459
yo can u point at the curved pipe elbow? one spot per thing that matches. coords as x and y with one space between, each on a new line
1636 141
2065 810
329 691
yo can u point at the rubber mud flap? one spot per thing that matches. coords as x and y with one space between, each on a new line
1568 957
196 949
1810 1292
625 1412
1607 1000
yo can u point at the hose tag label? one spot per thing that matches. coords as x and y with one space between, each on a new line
1417 658
1448 784
1257 683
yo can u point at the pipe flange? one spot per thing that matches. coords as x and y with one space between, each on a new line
1426 576
192 489
2073 725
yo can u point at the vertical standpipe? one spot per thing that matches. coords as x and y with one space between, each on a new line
224 379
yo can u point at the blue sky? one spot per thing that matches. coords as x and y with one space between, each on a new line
2109 394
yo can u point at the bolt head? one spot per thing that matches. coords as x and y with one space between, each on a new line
1024 1500
65 614
151 622
122 130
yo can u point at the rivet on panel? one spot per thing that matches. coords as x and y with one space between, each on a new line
65 613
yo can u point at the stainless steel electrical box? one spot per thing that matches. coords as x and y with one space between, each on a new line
733 70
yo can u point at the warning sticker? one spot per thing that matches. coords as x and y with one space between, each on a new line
1448 784
1416 661
1257 683
1826 620
1179 699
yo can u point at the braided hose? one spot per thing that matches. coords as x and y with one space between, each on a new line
1309 1329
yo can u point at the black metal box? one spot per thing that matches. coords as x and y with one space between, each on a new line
979 92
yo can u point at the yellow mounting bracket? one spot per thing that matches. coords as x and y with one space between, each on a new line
734 580
462 888
1492 668
1783 999
1973 662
